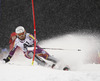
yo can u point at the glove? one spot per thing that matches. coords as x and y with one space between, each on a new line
7 59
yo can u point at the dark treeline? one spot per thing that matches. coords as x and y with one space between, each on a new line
53 17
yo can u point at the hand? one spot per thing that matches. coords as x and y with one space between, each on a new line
6 60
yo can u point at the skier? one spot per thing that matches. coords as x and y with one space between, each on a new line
25 40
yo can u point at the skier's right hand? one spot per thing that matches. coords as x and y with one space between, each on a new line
7 59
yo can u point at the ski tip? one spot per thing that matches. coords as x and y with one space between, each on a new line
53 65
79 49
66 69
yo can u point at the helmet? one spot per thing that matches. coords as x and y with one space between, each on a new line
19 29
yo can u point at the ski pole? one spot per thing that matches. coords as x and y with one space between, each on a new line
62 49
32 48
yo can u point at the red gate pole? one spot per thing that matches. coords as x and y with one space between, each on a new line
34 31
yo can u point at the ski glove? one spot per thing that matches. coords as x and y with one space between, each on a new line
7 59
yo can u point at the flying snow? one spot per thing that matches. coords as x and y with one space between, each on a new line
89 45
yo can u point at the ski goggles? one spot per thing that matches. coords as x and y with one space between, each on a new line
21 34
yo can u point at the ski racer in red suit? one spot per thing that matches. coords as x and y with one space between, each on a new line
25 40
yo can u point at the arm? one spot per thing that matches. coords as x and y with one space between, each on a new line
31 36
11 53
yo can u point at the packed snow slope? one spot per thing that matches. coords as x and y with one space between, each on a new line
38 73
84 64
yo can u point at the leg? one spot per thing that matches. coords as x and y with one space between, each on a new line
51 58
37 59
48 57
45 55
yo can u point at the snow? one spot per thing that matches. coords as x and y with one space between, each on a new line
39 73
84 65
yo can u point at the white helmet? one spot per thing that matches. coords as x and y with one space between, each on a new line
19 29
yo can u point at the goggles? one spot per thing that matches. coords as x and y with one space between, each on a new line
21 34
